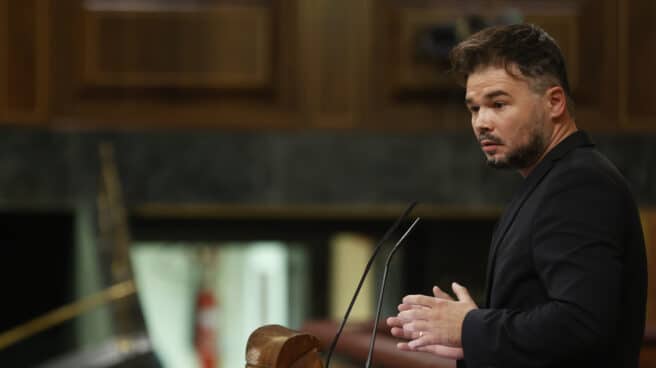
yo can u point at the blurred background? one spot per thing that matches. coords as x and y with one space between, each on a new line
176 173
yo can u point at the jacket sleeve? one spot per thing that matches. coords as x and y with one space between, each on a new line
577 253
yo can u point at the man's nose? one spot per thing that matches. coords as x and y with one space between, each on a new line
482 121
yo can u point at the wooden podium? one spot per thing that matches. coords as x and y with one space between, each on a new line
275 346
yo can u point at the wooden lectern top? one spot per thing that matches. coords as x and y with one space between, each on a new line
274 346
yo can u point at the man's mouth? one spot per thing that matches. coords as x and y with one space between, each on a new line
490 149
489 145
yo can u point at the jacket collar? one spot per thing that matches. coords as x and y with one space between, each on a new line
573 141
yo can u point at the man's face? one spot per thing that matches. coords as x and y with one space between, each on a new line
508 118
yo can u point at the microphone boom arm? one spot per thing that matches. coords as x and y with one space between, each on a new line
387 234
382 292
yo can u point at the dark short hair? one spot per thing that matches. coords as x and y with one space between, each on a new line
525 46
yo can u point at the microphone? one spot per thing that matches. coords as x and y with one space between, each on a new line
382 292
387 234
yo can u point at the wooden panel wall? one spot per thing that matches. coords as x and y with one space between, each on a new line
637 58
280 64
220 48
409 88
227 64
334 44
649 228
648 352
24 60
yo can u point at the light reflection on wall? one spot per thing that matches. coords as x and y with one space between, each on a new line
252 285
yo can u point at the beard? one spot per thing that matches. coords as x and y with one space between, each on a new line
523 156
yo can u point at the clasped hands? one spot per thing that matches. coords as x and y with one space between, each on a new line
433 323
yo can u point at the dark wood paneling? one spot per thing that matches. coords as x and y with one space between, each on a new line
227 47
421 93
218 64
648 352
648 217
4 53
334 45
638 37
335 64
24 61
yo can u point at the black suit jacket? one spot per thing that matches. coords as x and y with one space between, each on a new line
567 277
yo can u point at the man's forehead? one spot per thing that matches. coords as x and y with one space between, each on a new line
491 81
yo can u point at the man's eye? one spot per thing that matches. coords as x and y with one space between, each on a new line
473 108
498 105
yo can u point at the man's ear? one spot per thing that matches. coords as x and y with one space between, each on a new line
556 101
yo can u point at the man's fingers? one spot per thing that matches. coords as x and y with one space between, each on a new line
425 300
443 351
403 307
400 332
439 350
441 294
403 346
462 293
425 339
394 322
416 326
415 315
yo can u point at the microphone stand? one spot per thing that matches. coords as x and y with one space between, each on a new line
364 275
382 292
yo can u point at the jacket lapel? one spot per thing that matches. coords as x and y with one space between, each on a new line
575 140
507 220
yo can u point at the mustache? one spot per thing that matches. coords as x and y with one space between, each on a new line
489 137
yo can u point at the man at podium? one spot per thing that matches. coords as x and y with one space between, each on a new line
566 278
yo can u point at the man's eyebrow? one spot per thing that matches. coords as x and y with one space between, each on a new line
488 96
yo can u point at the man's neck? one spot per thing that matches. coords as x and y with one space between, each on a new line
560 132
